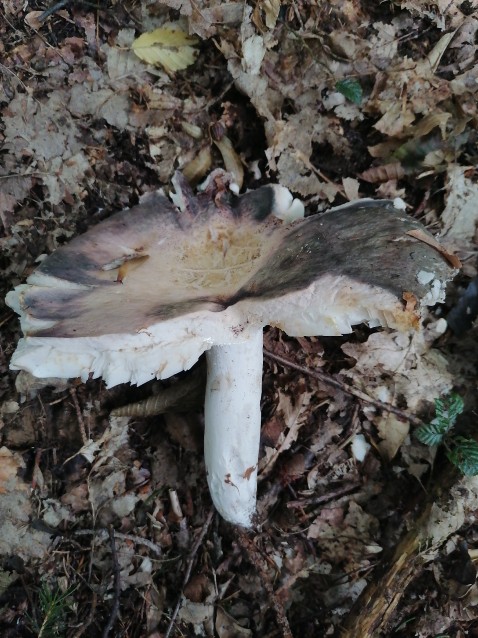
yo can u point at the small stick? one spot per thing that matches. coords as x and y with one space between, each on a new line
59 5
53 9
329 380
117 584
138 540
325 498
189 566
256 560
79 416
8 316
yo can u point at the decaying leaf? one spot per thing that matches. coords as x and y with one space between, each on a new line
294 417
199 166
8 469
390 365
16 511
393 433
169 47
460 217
228 627
351 188
198 614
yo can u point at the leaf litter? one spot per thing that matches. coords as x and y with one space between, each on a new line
335 102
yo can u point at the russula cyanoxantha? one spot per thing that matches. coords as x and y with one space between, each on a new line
146 292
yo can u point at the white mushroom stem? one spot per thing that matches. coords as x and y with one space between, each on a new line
232 414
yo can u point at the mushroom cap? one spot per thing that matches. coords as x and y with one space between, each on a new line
146 292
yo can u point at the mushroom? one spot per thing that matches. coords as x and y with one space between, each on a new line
143 294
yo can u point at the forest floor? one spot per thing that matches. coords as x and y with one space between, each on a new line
106 524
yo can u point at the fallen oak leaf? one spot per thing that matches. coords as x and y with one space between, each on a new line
9 471
427 239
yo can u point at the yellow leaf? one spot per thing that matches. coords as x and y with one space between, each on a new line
169 47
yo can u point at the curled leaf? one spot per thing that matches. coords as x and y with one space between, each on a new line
197 168
383 173
231 159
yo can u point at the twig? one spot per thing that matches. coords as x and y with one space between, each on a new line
117 585
5 68
139 540
189 566
256 560
304 159
53 9
318 500
9 315
63 3
329 380
79 416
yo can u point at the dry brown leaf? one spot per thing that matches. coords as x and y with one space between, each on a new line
390 365
351 188
198 614
393 433
9 468
383 45
103 103
345 533
395 119
460 217
7 204
31 18
444 521
205 18
228 627
16 535
294 416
